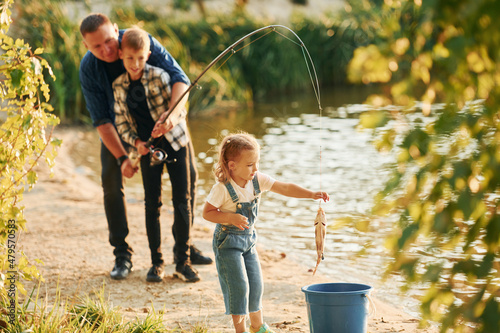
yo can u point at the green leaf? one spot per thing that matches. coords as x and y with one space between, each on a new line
373 119
32 177
16 76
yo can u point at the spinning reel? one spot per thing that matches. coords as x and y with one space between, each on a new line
159 156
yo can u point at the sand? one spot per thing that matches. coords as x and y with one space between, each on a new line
67 230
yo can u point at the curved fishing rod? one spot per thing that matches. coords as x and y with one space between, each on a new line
314 81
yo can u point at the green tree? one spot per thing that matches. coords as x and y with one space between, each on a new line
439 62
24 144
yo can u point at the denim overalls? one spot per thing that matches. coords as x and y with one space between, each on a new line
237 261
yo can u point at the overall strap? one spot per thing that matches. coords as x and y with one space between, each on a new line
256 187
232 192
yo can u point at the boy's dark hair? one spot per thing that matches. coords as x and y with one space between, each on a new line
92 22
136 39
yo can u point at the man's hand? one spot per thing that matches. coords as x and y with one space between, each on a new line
128 169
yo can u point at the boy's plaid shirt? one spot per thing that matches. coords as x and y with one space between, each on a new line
156 84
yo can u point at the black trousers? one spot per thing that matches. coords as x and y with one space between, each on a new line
114 204
183 178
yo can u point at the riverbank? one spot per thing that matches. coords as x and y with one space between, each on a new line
67 231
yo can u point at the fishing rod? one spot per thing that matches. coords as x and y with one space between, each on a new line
159 155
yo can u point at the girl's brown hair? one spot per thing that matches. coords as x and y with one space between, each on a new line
229 150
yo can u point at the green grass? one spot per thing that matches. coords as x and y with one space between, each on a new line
84 314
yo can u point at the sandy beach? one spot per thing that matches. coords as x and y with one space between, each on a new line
67 230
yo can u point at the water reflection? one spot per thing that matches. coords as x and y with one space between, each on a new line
299 146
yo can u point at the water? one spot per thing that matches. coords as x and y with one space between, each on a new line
291 133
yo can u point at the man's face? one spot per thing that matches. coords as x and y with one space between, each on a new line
103 43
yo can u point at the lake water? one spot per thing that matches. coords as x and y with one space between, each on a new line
292 134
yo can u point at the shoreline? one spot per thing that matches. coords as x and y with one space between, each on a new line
67 230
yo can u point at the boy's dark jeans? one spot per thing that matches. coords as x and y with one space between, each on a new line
114 204
183 177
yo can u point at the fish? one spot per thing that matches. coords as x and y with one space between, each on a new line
320 234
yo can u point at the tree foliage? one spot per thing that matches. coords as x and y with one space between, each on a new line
45 24
439 61
24 142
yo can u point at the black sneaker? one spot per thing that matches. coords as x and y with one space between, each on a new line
122 269
186 273
197 258
155 274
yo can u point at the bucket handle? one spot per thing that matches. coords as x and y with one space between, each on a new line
373 309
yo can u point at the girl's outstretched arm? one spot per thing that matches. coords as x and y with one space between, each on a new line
213 214
295 191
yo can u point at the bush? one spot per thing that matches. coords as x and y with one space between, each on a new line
24 144
439 116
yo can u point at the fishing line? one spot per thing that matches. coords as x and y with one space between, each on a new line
307 59
241 48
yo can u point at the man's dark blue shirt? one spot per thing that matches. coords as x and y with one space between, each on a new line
97 76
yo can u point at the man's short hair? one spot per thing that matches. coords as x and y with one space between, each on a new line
92 22
136 39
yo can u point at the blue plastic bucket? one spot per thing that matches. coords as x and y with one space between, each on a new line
337 307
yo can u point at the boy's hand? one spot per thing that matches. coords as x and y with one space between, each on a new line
321 195
162 126
239 221
141 147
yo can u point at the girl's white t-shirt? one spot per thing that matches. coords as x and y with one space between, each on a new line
220 198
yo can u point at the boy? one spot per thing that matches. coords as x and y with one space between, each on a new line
142 95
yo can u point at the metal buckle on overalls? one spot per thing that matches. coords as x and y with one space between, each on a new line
238 205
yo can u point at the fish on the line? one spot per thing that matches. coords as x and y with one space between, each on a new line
320 234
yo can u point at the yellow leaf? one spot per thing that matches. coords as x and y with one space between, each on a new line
401 46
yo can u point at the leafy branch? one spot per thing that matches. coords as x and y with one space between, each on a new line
24 143
438 115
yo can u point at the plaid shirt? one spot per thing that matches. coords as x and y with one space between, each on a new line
96 85
157 87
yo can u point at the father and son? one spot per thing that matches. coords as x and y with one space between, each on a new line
121 74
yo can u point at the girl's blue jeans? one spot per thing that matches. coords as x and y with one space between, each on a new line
238 266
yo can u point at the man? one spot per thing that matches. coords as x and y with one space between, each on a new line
100 66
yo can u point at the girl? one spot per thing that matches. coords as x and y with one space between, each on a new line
233 204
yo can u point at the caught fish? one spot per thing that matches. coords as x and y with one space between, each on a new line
320 232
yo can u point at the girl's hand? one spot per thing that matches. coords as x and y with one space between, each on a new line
239 221
321 195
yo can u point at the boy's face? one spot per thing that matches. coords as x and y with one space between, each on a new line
134 61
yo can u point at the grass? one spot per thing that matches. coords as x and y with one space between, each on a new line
84 314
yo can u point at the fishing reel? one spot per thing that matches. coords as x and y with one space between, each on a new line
158 156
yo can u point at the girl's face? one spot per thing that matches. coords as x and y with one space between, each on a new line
244 167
